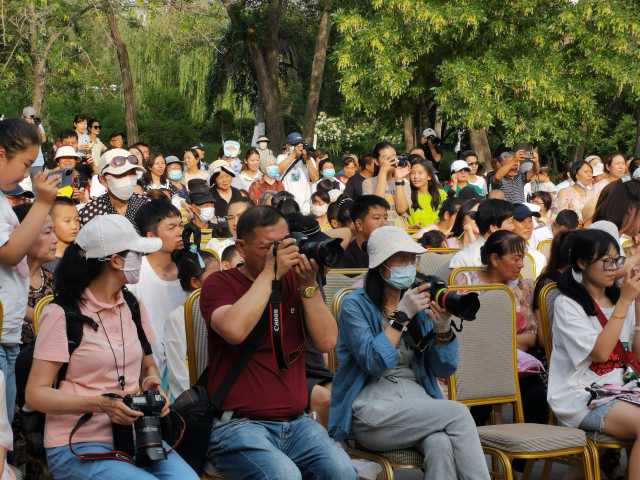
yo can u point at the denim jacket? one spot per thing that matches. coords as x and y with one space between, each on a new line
365 353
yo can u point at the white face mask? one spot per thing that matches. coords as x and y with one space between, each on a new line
123 187
206 214
131 269
263 145
584 186
318 210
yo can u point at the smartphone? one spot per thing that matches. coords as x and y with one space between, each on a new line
65 174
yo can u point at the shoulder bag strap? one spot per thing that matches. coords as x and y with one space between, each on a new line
134 306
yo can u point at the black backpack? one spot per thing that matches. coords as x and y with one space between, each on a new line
32 423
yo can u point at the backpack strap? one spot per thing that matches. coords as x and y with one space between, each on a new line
134 306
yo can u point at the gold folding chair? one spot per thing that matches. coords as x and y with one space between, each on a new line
458 276
487 374
339 278
37 312
597 441
436 262
529 268
196 331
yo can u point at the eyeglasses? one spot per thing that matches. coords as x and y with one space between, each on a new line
472 164
120 161
96 127
611 264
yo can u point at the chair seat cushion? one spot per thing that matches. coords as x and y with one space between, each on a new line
531 437
407 456
604 438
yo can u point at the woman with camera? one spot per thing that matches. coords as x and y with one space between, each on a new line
111 360
385 393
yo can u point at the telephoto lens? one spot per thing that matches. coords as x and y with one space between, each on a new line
148 429
461 305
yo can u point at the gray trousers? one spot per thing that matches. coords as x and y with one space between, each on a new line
442 430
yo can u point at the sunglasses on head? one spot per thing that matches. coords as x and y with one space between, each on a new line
120 161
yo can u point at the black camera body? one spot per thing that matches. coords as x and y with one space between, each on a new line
434 140
326 252
147 444
402 160
462 305
308 148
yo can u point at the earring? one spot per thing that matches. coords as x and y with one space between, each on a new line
577 276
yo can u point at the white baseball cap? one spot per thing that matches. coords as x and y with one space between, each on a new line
231 148
387 241
427 132
458 165
106 235
122 165
66 151
29 112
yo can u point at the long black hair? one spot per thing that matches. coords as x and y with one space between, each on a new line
588 246
465 209
558 262
374 287
432 185
74 274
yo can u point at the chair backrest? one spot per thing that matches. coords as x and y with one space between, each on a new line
458 276
339 278
544 247
546 299
335 310
487 371
628 247
436 262
195 328
529 268
37 311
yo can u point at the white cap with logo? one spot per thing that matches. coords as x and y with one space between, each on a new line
106 235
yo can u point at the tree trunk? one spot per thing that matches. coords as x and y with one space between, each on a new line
317 73
37 99
407 124
125 73
480 145
637 149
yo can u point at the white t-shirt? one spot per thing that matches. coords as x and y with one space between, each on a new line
481 183
176 351
243 181
14 280
574 336
469 256
540 234
160 297
298 183
539 259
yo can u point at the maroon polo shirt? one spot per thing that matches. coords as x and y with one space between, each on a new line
261 391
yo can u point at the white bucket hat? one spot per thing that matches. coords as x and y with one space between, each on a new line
387 241
106 235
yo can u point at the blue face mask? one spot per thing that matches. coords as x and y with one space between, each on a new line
175 175
401 277
329 173
273 171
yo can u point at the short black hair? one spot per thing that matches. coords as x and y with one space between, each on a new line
322 195
502 242
256 217
152 213
547 199
365 160
285 203
379 147
64 201
17 135
468 153
247 201
451 206
113 135
80 118
228 253
567 218
361 206
68 133
433 239
189 267
492 211
140 144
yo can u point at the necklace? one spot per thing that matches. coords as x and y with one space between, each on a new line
121 380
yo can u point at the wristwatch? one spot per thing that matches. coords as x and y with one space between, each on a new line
399 183
399 321
309 292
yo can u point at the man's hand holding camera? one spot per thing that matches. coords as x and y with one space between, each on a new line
288 257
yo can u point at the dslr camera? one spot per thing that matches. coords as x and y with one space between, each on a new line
434 140
147 441
326 252
309 148
402 160
462 305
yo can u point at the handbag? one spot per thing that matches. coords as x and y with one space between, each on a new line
198 409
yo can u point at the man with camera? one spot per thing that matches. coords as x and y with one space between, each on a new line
297 170
430 143
272 300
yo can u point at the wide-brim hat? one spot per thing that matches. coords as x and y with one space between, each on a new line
386 241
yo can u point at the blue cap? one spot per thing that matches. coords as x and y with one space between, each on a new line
294 138
18 192
521 211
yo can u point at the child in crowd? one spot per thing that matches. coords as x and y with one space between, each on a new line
158 284
66 224
19 145
193 270
230 258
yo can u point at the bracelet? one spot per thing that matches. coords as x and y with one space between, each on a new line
445 337
147 378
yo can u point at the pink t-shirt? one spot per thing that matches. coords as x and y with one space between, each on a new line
92 369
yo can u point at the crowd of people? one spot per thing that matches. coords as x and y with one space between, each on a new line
122 235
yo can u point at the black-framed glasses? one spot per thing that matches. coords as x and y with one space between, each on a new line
611 264
96 127
120 161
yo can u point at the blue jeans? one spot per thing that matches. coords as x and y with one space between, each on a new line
269 450
8 355
63 465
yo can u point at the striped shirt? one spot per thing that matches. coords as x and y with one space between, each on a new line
513 187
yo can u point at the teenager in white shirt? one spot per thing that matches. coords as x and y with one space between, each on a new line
159 287
492 215
594 334
19 145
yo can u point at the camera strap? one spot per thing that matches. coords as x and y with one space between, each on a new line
291 167
275 321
